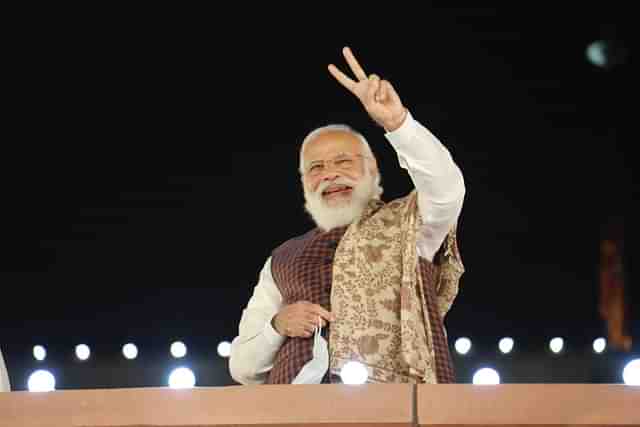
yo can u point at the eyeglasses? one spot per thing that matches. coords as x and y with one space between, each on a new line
344 162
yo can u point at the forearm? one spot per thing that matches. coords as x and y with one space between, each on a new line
252 357
254 349
428 162
437 179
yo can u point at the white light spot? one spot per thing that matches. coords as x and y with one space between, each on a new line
597 53
224 349
354 373
486 376
506 345
556 344
463 345
631 373
130 351
182 378
82 351
41 380
607 53
39 352
178 349
599 345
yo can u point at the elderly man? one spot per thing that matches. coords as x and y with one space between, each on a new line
4 376
377 277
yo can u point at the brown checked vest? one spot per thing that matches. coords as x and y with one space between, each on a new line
302 270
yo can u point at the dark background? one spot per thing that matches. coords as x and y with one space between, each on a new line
150 166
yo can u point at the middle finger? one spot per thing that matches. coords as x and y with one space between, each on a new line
353 63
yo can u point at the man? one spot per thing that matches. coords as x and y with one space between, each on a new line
4 376
378 277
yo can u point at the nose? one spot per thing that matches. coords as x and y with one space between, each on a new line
330 176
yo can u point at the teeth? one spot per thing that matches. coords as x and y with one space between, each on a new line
335 189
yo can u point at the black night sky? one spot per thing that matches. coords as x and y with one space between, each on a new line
149 168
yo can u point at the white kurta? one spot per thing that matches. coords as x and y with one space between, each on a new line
4 376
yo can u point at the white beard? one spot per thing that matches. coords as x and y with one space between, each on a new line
328 217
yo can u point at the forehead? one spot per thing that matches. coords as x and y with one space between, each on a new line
331 143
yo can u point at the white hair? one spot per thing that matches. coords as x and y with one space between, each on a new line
366 149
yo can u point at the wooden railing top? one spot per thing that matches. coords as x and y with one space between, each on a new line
383 405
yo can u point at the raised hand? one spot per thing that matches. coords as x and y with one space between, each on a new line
378 97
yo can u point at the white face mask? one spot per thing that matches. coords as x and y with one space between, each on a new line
4 376
314 370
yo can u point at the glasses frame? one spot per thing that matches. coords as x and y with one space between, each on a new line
332 162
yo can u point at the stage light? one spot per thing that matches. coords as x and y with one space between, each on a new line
182 378
178 349
597 53
599 345
606 53
224 349
556 344
39 353
354 373
463 345
506 345
486 376
631 373
130 351
83 352
41 380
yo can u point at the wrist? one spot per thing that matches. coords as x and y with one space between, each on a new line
396 122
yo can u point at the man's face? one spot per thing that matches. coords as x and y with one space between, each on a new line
338 184
329 158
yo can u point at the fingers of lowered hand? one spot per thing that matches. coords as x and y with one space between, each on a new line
319 311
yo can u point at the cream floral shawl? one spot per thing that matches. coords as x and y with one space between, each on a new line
377 295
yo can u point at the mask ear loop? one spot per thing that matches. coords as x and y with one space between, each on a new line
318 331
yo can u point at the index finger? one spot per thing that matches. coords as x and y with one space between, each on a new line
323 313
353 63
342 78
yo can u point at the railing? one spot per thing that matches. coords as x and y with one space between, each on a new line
328 406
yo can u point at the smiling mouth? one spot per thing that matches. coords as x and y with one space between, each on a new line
332 191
